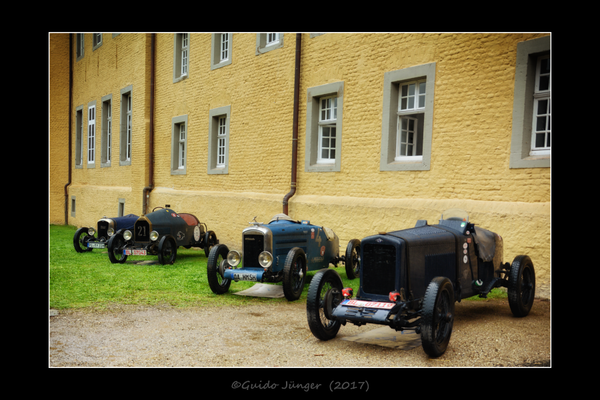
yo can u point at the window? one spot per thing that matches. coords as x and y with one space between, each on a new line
407 118
324 127
327 130
97 40
79 137
73 205
530 145
266 42
126 126
106 139
540 131
121 211
221 50
91 142
179 132
79 46
218 140
181 56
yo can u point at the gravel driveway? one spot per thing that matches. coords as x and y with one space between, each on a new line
277 335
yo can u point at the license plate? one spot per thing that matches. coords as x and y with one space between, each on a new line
96 245
367 304
244 276
134 252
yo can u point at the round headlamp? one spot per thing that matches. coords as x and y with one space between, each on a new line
91 231
127 235
110 232
234 258
154 236
265 259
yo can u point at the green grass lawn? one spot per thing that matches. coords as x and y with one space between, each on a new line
91 280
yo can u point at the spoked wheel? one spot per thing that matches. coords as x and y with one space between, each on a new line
324 294
438 316
80 240
115 249
353 259
521 286
167 250
215 269
294 274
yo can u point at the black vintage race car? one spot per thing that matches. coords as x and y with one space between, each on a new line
410 279
160 233
85 240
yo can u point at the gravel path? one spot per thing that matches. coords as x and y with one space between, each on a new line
277 335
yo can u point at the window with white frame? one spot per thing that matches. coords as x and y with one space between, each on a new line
541 129
266 42
79 46
327 130
181 56
218 140
221 141
79 137
407 119
126 126
530 145
97 40
324 115
411 109
106 140
179 131
221 50
91 134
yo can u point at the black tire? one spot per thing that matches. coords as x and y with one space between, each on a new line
521 286
115 249
438 316
167 250
80 240
210 240
352 259
217 283
324 294
294 273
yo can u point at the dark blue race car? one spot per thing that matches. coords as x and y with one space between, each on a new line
85 240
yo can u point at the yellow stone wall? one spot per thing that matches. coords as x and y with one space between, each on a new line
470 150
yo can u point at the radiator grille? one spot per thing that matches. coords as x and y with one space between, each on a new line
141 231
253 246
379 269
103 229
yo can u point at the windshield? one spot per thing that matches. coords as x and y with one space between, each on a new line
455 214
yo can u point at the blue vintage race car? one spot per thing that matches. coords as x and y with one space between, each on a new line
84 239
160 233
281 251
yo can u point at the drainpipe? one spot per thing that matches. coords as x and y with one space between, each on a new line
70 127
147 189
295 126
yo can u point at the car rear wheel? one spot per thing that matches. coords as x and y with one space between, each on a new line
352 259
210 241
438 316
217 260
115 249
521 286
167 250
80 240
294 273
324 294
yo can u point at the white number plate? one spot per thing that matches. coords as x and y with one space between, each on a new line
368 304
244 276
96 245
129 252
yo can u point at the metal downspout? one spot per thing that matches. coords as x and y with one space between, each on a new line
147 189
70 126
295 126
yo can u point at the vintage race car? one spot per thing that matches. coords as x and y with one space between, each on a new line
410 280
84 239
160 233
281 251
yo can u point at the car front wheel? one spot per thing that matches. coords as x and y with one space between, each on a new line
294 274
80 240
215 268
438 316
521 286
116 243
324 294
167 250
